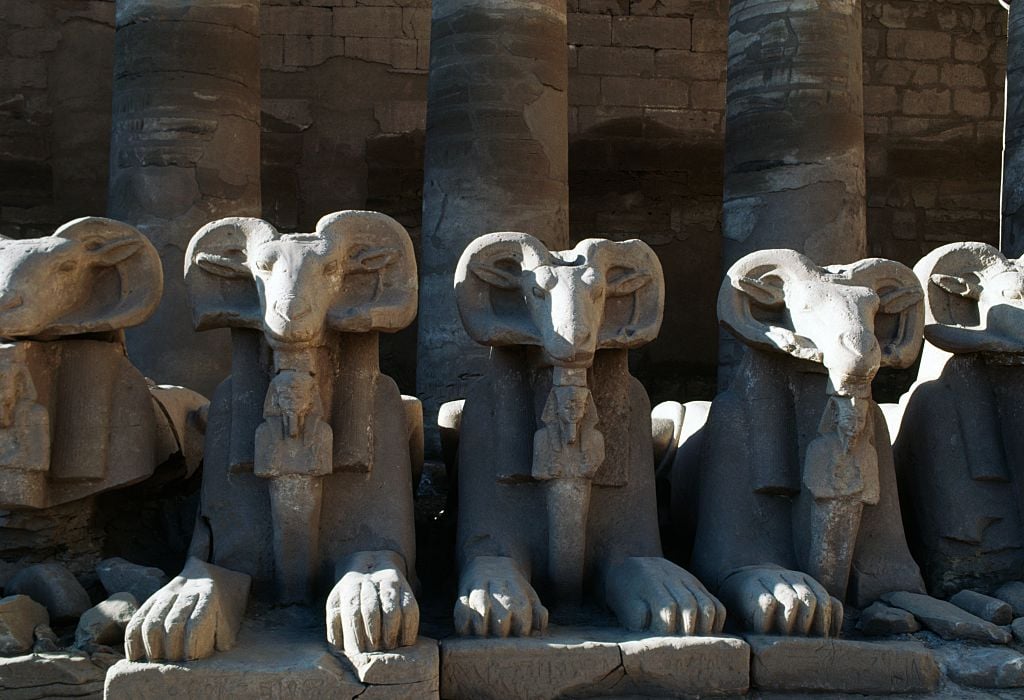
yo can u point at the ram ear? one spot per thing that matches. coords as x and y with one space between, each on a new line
952 277
752 300
122 279
487 284
634 302
220 285
379 286
900 321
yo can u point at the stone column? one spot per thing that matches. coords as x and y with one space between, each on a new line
794 140
496 160
1011 230
185 150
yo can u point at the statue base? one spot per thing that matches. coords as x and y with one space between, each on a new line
284 654
584 662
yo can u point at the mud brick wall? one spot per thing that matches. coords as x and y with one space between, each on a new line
344 91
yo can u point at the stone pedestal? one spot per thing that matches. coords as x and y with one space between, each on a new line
815 665
185 150
794 145
575 662
496 159
280 657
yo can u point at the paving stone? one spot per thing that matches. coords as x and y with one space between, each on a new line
413 664
19 617
51 675
986 607
582 662
53 586
105 623
802 664
986 667
119 575
947 620
1012 593
881 620
282 654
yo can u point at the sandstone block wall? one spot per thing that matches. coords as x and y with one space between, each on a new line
344 105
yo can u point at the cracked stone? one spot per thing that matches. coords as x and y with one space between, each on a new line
947 620
986 607
105 623
121 576
52 585
1012 593
19 618
801 664
986 667
411 664
881 620
51 675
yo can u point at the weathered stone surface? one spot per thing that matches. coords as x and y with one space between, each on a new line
986 607
72 674
53 586
1017 628
947 620
578 663
496 158
19 617
879 620
961 431
104 623
118 575
558 410
185 149
985 667
835 665
823 443
314 447
63 430
1012 228
46 639
1012 593
279 653
406 665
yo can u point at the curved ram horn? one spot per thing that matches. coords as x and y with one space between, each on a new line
220 286
120 282
487 288
634 292
757 282
952 277
901 298
379 282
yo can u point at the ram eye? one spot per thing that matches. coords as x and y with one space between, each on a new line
265 265
331 268
67 266
1012 294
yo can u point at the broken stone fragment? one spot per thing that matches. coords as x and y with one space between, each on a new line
986 607
1012 593
46 640
986 667
105 623
947 620
119 575
52 585
19 617
1017 627
881 620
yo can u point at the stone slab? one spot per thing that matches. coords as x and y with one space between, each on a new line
582 662
803 664
274 658
51 675
947 620
985 667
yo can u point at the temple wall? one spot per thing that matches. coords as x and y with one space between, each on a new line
344 105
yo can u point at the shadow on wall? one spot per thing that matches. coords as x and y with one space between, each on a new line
630 178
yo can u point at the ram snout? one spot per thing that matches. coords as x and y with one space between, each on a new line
564 303
297 281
